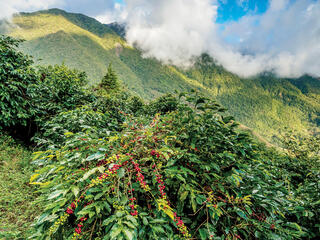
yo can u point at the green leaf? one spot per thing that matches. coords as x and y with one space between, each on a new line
95 156
241 214
145 221
90 172
121 173
128 234
129 224
109 220
193 202
56 194
119 214
160 221
158 229
98 196
184 195
75 190
116 230
133 220
91 214
203 234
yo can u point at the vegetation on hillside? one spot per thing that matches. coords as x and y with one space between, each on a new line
266 103
16 75
109 166
110 80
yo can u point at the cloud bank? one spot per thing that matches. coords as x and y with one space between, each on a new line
173 31
89 7
285 39
9 7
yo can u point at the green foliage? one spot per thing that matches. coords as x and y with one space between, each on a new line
302 170
55 131
135 105
104 116
58 89
110 80
116 168
302 147
163 104
118 102
16 75
185 173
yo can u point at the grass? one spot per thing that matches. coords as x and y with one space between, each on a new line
16 209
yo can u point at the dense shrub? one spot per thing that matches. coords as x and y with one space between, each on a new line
163 104
33 97
110 80
302 170
119 102
16 75
58 89
55 131
183 174
102 116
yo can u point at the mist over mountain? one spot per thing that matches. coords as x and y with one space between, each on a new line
264 103
284 39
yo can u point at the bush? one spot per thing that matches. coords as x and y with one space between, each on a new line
55 131
301 169
184 174
110 80
59 89
16 75
163 104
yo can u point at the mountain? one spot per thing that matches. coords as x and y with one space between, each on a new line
266 103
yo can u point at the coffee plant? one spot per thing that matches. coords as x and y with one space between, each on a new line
58 89
110 166
16 75
184 174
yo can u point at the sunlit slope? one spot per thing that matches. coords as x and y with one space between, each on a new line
265 103
53 39
55 36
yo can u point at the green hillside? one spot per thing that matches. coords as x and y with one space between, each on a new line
265 103
107 165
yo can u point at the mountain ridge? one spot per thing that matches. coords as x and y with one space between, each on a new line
265 103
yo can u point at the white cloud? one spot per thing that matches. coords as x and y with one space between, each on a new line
115 14
9 7
285 39
171 30
88 7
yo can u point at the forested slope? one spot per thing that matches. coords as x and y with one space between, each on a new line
264 103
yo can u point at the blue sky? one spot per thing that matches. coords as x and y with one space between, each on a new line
232 10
